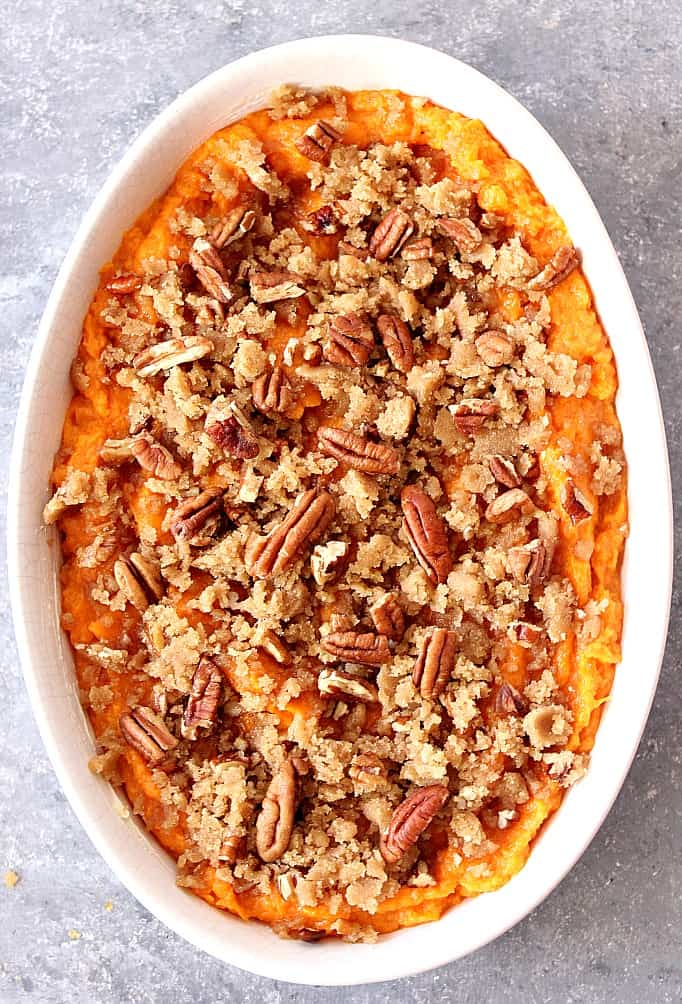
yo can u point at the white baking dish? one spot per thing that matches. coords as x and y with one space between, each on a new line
146 170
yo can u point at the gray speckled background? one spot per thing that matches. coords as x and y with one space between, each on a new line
78 81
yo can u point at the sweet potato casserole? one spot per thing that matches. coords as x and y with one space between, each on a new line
342 505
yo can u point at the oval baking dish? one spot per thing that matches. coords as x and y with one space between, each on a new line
352 62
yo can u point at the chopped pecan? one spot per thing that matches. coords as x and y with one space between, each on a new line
524 633
531 563
368 770
564 261
272 391
317 141
508 504
138 579
417 250
357 452
463 232
575 503
125 283
172 352
351 341
336 683
305 524
328 560
470 415
322 222
504 471
146 732
397 340
117 451
426 533
275 647
267 287
156 459
367 649
210 270
509 701
275 821
410 820
345 247
199 520
235 226
310 935
495 348
233 437
435 663
390 235
388 617
202 706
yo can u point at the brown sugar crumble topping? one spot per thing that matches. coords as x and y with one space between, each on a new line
325 531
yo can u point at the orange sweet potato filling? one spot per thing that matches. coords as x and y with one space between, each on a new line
100 412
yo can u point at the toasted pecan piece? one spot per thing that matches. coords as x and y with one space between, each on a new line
337 684
504 471
390 235
322 222
418 250
236 225
305 524
127 282
210 270
201 709
410 820
172 352
509 701
435 663
463 232
367 648
317 141
397 340
575 503
147 732
272 391
199 520
328 561
275 821
350 340
531 563
117 451
564 261
469 415
268 287
495 348
358 452
368 769
156 459
426 533
234 437
138 579
275 647
507 505
525 633
388 617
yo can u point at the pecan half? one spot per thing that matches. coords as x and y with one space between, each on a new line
531 563
504 471
397 340
524 633
495 348
388 617
390 235
275 821
202 706
172 352
317 141
156 459
304 525
507 505
357 452
564 261
272 391
210 270
235 226
470 415
463 232
426 533
336 683
198 520
435 663
410 820
234 438
351 341
575 503
125 283
146 732
367 649
418 250
138 579
509 701
328 561
267 287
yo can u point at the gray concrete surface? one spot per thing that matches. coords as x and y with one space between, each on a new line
78 81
